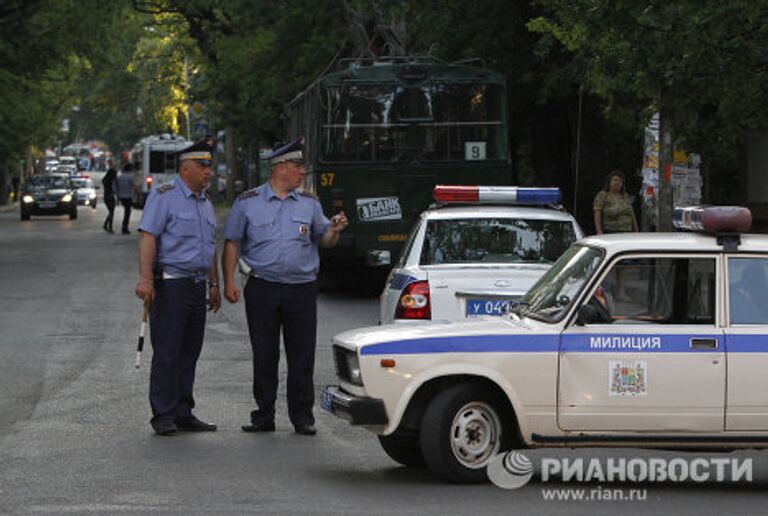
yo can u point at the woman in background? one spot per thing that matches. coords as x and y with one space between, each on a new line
613 207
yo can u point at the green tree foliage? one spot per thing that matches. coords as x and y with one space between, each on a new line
701 63
257 56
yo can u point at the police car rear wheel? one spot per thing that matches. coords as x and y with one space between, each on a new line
461 431
403 449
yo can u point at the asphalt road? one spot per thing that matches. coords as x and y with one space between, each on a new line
74 432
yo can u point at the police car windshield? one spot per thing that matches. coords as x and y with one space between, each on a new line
495 240
551 297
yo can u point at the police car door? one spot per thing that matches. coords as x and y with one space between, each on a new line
657 363
747 341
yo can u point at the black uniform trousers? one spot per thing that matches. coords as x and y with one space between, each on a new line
109 202
127 204
177 323
269 307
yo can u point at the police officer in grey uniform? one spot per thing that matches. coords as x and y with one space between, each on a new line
276 228
177 268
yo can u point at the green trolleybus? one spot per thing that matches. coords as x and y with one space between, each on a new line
380 134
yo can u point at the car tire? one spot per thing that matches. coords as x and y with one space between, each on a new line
403 449
73 212
462 429
25 215
93 205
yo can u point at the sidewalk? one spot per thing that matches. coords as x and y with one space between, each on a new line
11 206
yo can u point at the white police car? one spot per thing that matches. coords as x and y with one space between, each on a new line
651 340
86 191
475 252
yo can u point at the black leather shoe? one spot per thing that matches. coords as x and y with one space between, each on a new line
195 425
165 427
305 429
126 232
260 426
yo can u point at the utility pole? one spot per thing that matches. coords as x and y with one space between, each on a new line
666 156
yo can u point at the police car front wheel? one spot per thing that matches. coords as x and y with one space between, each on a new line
461 431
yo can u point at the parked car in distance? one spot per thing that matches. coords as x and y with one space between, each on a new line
70 170
49 194
86 191
476 252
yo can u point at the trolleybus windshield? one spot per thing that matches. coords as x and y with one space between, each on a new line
426 122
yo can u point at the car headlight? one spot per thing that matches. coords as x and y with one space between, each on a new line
28 199
91 195
66 198
353 366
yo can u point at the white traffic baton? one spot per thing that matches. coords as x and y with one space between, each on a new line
142 331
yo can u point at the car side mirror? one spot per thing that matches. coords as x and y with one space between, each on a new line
588 314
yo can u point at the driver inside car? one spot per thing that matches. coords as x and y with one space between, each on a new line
601 304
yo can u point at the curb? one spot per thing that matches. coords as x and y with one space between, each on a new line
11 206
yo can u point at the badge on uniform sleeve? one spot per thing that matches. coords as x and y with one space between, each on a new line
303 230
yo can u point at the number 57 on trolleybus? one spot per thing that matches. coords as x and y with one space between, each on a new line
379 135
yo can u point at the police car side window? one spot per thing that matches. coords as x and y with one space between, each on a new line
748 290
662 290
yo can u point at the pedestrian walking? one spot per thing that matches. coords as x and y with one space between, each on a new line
277 227
177 254
125 194
108 183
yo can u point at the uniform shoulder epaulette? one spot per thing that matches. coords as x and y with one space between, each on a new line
308 194
166 187
253 192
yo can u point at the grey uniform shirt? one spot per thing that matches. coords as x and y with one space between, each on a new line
278 237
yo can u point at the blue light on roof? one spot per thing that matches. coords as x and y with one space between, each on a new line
538 196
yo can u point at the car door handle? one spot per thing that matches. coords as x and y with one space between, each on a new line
703 344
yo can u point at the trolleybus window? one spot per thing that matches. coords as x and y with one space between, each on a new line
161 162
440 122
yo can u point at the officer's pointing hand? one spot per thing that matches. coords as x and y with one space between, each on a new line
231 293
339 222
145 291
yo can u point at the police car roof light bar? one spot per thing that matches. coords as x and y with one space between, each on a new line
496 195
712 219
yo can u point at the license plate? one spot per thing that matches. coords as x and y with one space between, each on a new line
476 307
47 204
326 400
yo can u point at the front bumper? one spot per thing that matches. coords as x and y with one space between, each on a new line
357 410
60 208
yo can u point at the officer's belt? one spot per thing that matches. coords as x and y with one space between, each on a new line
172 276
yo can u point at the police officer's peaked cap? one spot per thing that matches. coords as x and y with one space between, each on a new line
292 151
199 150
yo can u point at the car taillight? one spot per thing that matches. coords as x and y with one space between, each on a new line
414 302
